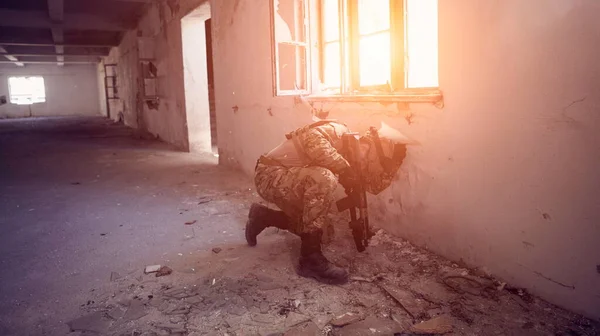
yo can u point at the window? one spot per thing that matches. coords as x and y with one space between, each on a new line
362 47
26 90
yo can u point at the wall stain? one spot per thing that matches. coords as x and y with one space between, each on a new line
528 245
174 6
409 118
236 4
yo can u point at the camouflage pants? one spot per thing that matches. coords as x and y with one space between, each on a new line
304 194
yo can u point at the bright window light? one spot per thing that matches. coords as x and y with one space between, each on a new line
386 45
27 90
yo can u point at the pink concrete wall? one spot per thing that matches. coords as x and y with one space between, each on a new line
506 176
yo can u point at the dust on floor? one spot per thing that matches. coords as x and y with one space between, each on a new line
395 289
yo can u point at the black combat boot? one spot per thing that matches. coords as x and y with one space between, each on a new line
260 217
313 263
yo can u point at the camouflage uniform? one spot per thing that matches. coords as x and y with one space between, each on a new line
301 178
302 183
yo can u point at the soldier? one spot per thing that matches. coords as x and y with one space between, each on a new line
300 177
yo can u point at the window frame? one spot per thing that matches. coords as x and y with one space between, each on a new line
316 91
277 91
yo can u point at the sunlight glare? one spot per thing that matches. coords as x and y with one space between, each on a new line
374 57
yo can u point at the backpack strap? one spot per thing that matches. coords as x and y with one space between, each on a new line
313 125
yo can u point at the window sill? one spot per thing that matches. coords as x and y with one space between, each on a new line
433 96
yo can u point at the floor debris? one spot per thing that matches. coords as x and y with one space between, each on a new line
369 326
294 319
94 322
436 326
191 222
116 313
152 269
345 319
305 329
135 311
163 271
413 306
465 284
114 276
397 289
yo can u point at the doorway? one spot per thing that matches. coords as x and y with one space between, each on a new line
199 80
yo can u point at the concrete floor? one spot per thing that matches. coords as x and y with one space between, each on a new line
81 198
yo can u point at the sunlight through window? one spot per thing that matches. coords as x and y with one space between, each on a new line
386 45
26 90
374 42
331 44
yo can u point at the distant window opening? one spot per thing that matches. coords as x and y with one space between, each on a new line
27 90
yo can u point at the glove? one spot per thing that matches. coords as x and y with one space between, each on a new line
348 178
391 165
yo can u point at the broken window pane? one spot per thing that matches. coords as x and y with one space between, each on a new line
290 32
292 67
422 42
290 21
375 67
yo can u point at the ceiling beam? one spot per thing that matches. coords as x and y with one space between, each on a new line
56 12
140 1
52 55
58 37
11 58
50 62
39 19
38 58
51 44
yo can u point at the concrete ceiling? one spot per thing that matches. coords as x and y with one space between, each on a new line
64 31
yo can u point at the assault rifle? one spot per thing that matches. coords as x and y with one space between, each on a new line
356 198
